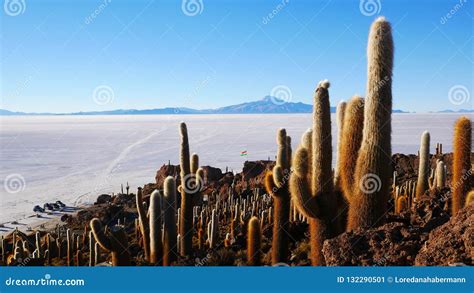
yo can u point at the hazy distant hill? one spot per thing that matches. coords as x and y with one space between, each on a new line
459 111
267 105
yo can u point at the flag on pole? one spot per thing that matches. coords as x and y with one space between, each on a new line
243 153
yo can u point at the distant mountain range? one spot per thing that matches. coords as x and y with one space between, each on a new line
459 111
267 105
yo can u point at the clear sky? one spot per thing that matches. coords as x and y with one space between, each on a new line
62 56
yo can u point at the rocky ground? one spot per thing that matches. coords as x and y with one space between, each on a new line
424 235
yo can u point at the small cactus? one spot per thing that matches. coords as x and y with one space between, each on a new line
91 249
424 165
401 204
156 244
254 240
440 174
69 241
144 223
461 163
116 242
470 198
169 219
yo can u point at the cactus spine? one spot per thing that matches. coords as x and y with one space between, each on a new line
156 244
144 225
424 165
276 184
169 219
369 204
311 182
461 162
116 242
254 240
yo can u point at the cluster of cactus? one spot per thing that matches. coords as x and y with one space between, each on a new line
49 246
364 151
301 187
157 225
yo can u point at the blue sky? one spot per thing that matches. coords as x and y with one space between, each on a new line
151 54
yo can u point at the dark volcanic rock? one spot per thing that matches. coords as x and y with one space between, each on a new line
387 245
103 198
395 243
450 243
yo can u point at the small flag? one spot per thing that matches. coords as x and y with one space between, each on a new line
243 153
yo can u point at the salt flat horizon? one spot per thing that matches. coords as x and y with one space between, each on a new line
76 158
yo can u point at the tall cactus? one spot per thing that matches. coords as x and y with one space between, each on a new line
311 182
91 249
144 223
156 244
116 242
276 184
373 173
424 165
191 182
169 219
254 240
69 240
462 172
